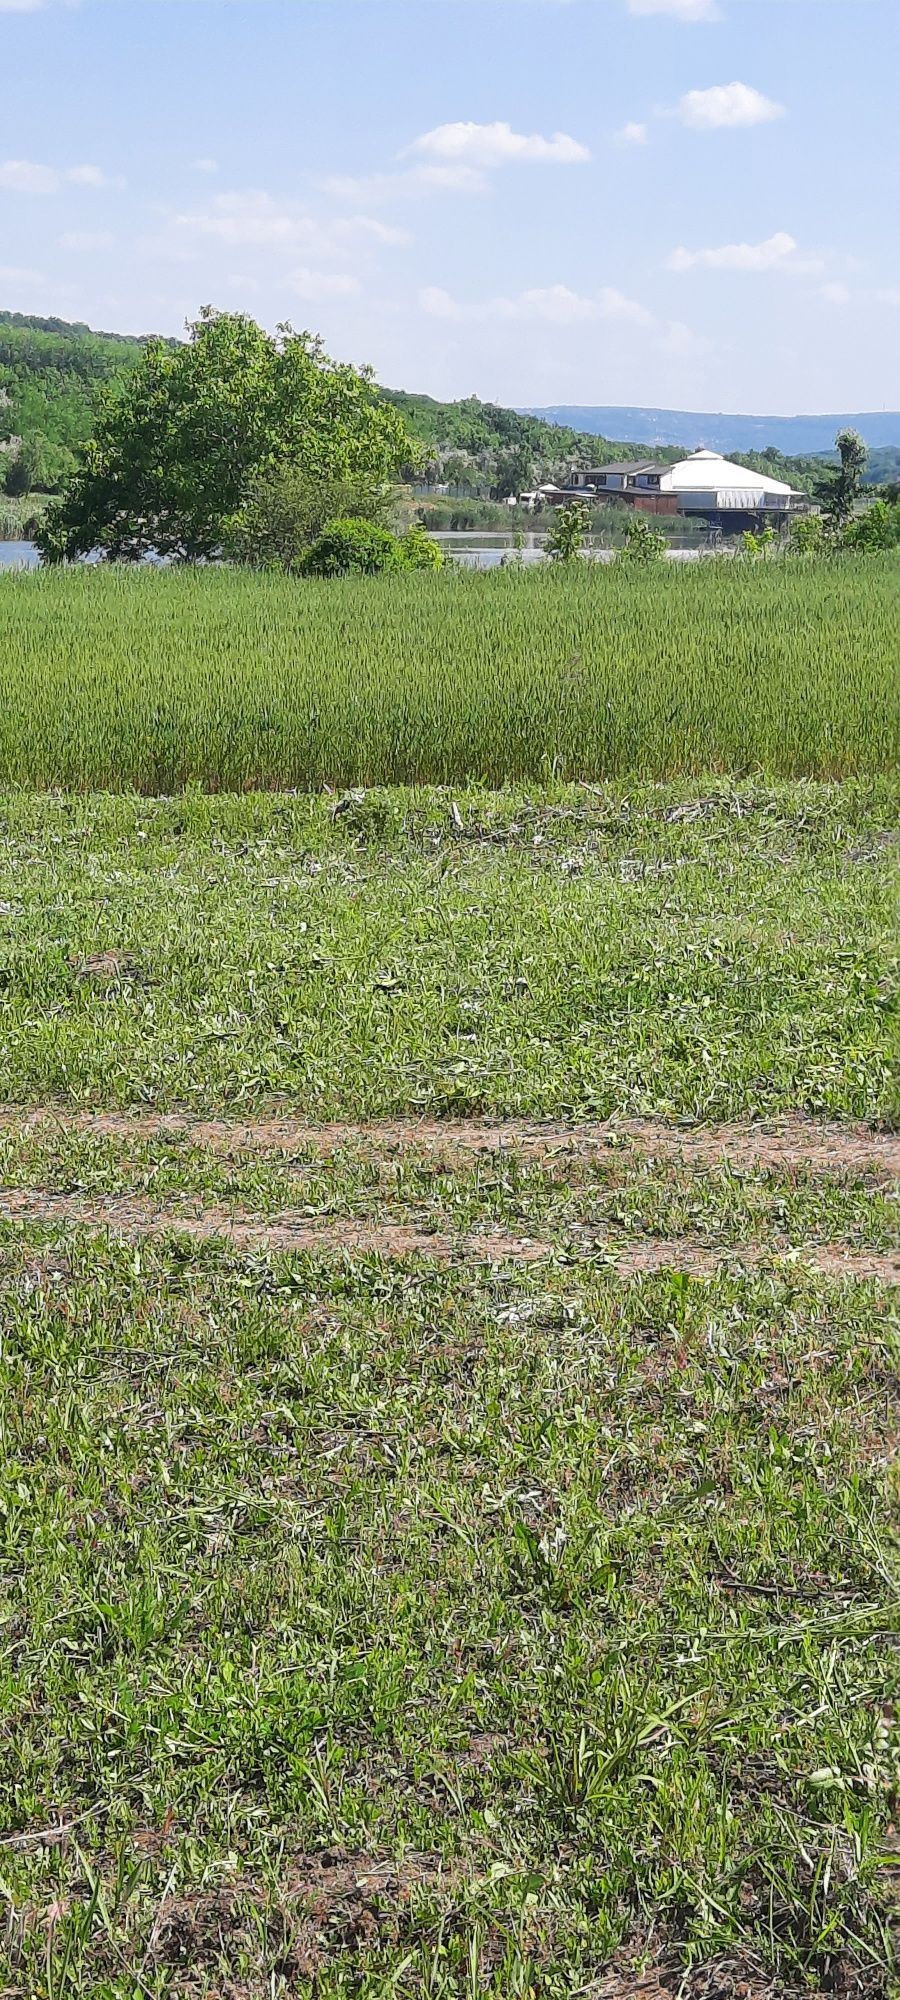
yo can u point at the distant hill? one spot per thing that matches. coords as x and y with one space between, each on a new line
499 440
794 436
51 369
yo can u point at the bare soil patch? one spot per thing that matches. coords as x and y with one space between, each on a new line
780 1144
133 1218
328 1904
107 970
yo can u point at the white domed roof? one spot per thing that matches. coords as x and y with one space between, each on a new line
707 472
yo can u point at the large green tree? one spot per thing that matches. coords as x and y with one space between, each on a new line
179 445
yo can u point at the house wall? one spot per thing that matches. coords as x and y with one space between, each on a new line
655 503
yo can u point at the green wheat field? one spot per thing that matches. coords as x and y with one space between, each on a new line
150 682
449 1265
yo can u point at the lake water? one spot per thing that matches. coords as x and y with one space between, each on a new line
476 551
18 555
489 550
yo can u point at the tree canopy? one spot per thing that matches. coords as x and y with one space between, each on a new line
179 443
838 490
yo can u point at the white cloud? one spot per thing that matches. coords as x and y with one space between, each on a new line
412 181
681 342
497 145
559 309
555 305
257 221
25 177
457 179
28 177
87 176
205 166
438 304
727 105
21 6
320 286
682 10
559 306
889 295
457 159
836 294
633 134
770 255
93 177
86 239
18 274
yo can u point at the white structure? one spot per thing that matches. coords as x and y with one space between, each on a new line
726 494
708 483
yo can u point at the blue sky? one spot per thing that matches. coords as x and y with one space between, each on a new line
685 202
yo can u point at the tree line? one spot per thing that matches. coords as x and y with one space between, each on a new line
259 448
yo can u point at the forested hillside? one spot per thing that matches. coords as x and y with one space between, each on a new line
501 449
51 370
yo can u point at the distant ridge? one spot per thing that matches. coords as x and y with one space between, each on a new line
719 431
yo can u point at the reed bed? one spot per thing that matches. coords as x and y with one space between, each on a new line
154 681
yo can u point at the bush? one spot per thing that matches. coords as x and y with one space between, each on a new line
353 547
567 535
878 528
758 546
807 535
642 543
286 509
418 550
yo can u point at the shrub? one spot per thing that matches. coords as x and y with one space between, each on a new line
757 546
878 528
363 547
642 543
286 509
567 535
351 546
418 550
807 535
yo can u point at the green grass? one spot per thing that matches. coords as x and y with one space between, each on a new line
614 1194
584 1596
151 682
700 951
401 1628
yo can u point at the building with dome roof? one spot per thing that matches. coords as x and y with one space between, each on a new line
705 485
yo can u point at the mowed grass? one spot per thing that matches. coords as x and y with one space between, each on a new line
376 1628
615 1191
698 951
153 681
387 1625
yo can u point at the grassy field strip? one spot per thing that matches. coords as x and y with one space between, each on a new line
124 1218
582 959
781 1144
444 1630
394 1603
150 682
408 1190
